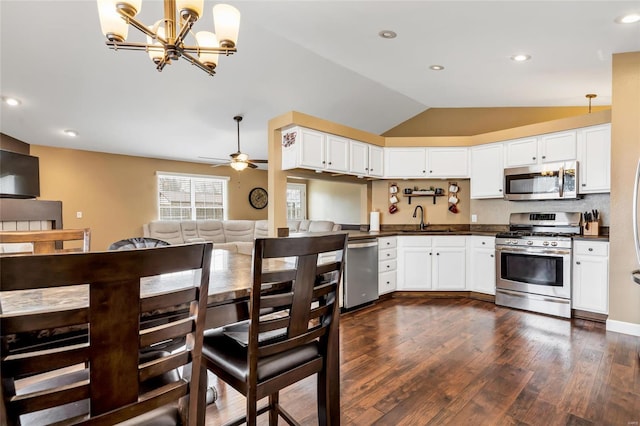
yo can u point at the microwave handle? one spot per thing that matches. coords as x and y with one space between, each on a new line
561 181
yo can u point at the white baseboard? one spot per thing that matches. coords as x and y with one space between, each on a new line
623 327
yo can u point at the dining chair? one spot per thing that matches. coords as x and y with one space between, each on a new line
292 327
137 242
108 378
47 241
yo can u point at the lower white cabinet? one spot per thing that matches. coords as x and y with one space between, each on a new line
387 264
591 276
431 263
481 266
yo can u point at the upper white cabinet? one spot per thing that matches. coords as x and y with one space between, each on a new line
405 162
594 159
559 146
448 162
365 159
521 152
315 150
549 148
487 176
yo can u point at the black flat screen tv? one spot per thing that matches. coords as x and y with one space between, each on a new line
19 175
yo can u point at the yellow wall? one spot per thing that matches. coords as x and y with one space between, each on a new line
624 294
433 214
117 194
474 121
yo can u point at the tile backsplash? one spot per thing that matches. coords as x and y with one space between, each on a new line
496 211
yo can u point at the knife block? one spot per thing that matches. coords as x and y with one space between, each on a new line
591 228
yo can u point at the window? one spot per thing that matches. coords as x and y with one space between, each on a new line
193 197
296 201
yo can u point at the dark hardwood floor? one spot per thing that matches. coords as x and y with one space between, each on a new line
418 361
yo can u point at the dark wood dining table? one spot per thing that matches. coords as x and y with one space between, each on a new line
229 289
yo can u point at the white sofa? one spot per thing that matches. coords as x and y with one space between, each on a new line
232 235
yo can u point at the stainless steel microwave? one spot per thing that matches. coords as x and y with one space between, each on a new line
552 181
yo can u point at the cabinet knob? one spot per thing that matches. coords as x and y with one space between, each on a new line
577 263
590 249
430 171
430 254
388 266
533 158
491 255
483 243
388 282
424 171
437 254
324 162
584 184
329 162
544 156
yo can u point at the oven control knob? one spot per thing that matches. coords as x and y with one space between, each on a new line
554 243
513 242
529 243
545 243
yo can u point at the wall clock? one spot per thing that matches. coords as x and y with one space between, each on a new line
258 198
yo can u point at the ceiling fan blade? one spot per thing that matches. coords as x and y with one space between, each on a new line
219 164
213 158
259 161
251 165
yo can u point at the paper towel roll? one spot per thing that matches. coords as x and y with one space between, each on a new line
374 221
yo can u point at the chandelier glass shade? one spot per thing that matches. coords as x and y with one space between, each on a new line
166 38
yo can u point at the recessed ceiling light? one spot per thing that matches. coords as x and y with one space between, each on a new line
631 18
436 67
70 132
520 58
388 34
11 101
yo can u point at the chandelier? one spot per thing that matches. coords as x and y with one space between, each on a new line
166 38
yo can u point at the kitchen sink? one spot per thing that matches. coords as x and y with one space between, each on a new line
427 231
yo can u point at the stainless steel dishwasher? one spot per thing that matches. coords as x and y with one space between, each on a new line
361 273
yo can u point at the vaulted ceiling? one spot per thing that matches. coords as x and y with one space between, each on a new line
323 58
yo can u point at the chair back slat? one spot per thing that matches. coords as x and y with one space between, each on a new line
40 320
28 364
50 240
302 293
117 373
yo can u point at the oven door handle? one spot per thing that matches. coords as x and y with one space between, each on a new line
532 251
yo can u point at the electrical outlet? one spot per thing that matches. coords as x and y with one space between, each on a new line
474 218
78 215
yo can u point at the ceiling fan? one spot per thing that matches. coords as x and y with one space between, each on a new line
239 160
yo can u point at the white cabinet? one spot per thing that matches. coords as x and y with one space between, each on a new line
481 265
548 148
387 264
521 152
448 162
414 262
487 171
311 149
591 276
431 263
365 159
449 263
594 159
405 162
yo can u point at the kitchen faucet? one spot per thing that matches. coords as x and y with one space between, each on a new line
415 212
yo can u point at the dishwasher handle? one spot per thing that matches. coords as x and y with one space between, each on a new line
362 245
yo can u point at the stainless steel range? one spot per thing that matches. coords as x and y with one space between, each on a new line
533 262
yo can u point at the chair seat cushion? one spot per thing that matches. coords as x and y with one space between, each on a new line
231 356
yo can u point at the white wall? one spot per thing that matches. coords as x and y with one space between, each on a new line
339 202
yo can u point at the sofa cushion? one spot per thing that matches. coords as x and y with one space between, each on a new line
166 230
320 226
238 230
261 229
189 230
211 230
